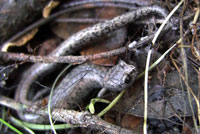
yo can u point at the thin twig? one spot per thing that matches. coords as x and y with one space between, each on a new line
98 20
83 119
6 56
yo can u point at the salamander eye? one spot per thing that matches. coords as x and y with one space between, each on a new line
127 79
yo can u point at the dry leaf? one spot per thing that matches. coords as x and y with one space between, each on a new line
20 42
51 5
132 122
110 117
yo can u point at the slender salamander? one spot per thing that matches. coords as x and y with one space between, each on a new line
84 80
78 41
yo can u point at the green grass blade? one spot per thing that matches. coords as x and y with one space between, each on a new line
10 126
51 93
40 126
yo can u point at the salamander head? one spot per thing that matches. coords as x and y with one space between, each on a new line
120 76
